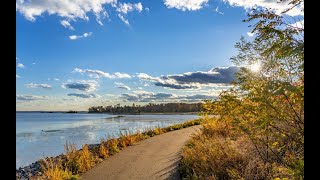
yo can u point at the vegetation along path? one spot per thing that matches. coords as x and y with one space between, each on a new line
154 158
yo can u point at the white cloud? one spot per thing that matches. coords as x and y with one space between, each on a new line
93 73
190 5
122 86
145 76
101 16
69 99
217 10
272 4
83 85
147 9
74 37
85 35
110 95
17 76
194 80
144 96
165 82
123 19
33 85
250 34
100 22
70 9
121 75
84 95
56 79
20 65
124 8
99 74
138 7
299 24
30 97
66 24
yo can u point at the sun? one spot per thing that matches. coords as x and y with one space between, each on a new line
255 67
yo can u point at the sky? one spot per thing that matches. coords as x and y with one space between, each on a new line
71 55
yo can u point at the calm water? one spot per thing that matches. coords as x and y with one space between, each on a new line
40 135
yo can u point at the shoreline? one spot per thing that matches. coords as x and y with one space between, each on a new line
104 125
150 113
86 112
34 169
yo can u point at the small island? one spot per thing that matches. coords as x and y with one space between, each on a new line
71 111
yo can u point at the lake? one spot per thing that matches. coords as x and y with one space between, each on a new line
39 135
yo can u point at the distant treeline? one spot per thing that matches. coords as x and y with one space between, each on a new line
149 108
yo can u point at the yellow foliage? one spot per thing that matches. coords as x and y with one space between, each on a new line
53 170
85 159
103 152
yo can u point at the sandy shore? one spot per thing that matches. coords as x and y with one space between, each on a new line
154 158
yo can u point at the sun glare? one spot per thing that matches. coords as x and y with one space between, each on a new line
255 67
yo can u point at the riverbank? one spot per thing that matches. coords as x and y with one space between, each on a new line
150 113
76 162
33 144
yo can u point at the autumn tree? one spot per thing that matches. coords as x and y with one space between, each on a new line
266 103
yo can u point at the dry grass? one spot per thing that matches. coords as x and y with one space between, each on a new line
86 161
76 162
53 170
127 139
112 145
220 152
71 157
103 152
210 155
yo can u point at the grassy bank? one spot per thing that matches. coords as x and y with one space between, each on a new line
75 162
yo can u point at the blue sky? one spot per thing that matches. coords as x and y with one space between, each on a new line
73 55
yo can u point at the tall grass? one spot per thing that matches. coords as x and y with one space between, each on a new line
103 151
54 170
219 151
75 162
85 159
